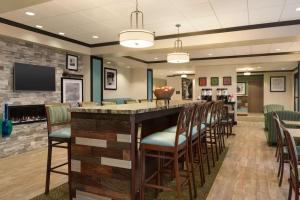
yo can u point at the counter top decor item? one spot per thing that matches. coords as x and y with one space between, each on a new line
164 93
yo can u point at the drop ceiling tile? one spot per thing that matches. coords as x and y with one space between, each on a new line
265 15
259 49
290 13
257 4
204 23
233 19
280 47
229 6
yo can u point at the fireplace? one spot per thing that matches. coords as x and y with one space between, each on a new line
24 114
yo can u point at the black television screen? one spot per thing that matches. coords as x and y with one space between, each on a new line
34 77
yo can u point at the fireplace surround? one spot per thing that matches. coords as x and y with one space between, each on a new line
25 114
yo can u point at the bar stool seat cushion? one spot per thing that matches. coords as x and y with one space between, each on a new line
61 133
174 128
225 120
285 150
163 139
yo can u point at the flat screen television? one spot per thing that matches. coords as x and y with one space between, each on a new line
33 78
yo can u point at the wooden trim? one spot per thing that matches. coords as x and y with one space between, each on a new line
163 37
214 31
219 58
36 30
254 73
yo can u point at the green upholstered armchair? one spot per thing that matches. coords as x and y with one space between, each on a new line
283 115
269 109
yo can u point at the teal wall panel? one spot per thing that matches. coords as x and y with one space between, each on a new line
96 79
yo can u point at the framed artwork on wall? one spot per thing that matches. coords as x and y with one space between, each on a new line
227 80
277 84
71 91
202 81
214 81
110 79
241 89
72 62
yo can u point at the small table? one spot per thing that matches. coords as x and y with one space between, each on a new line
295 133
291 123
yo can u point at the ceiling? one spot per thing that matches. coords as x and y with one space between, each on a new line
82 19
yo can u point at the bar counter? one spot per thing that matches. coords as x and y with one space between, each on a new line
104 151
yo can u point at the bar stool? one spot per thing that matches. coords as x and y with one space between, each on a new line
227 121
59 132
203 137
220 127
167 146
211 125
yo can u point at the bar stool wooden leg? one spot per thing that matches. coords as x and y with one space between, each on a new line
142 187
49 158
188 173
216 143
212 147
177 177
192 169
69 170
204 142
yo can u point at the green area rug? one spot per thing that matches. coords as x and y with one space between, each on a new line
61 192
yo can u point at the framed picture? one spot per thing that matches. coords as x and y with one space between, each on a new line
214 81
72 62
277 84
187 88
241 89
227 80
110 79
71 91
202 81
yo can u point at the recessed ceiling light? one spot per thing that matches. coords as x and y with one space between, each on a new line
283 68
298 9
108 62
128 67
247 73
61 33
155 58
277 49
95 36
30 13
39 26
183 76
258 67
210 54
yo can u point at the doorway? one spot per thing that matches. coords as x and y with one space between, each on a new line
253 99
256 95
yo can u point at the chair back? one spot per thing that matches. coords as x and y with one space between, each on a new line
293 157
183 123
57 115
280 138
210 112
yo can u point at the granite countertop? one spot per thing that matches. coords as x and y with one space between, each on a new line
134 108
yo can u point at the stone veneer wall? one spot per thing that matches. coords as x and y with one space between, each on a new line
29 136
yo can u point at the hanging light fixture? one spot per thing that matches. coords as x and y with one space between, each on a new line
178 56
136 37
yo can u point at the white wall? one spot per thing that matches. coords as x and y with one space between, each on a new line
131 83
138 87
283 98
123 84
86 78
175 82
215 71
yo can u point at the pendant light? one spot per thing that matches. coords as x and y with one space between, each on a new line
137 36
178 56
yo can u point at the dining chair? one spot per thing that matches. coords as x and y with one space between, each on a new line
167 146
59 133
294 179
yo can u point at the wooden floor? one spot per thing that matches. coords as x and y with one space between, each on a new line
248 172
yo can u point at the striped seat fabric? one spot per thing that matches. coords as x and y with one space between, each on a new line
59 114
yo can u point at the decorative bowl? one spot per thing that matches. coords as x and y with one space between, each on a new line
164 92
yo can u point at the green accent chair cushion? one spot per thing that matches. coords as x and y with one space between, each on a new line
166 139
61 133
283 115
269 109
59 114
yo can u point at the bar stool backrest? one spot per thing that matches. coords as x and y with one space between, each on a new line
219 108
198 116
210 112
183 123
57 115
293 157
